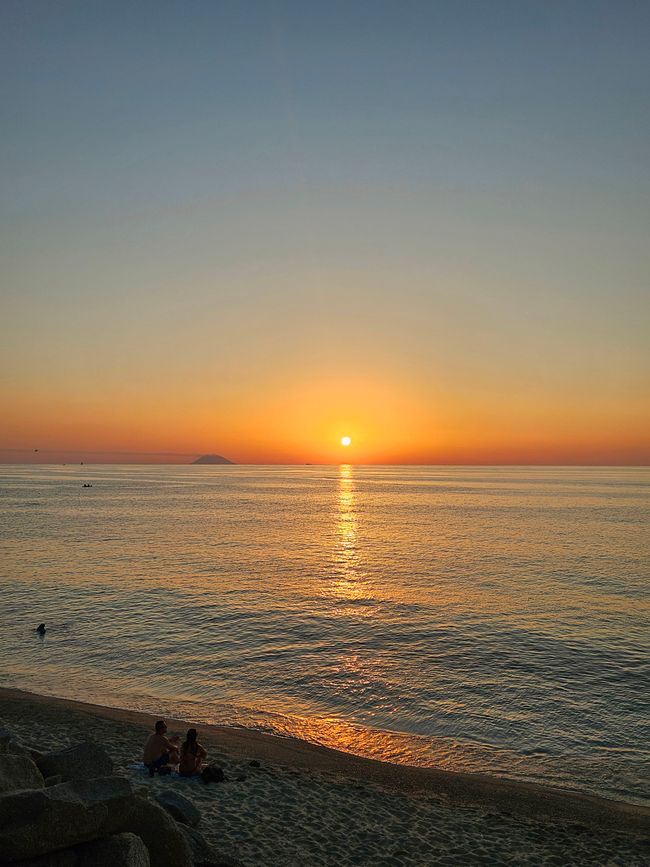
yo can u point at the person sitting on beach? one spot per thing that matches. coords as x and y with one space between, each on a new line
160 751
192 755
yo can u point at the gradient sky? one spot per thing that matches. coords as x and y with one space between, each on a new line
251 228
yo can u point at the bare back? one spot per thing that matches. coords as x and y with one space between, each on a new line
155 746
191 761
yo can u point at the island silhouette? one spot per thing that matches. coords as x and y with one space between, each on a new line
212 459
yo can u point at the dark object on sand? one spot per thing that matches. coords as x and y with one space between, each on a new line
41 629
86 485
212 775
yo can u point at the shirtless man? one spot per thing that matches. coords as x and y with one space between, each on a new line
160 750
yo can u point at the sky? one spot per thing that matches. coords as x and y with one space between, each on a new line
253 228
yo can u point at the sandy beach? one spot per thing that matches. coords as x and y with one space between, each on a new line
309 805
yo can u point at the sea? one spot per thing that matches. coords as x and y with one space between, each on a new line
490 620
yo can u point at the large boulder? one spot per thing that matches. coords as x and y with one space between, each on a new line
179 807
204 854
35 822
162 836
33 751
54 781
83 761
62 858
121 850
115 794
19 772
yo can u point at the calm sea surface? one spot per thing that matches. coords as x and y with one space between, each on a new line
491 620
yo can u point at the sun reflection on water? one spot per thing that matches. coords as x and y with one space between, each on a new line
348 583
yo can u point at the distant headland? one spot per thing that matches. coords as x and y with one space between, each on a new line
212 459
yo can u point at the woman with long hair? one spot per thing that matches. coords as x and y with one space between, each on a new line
192 755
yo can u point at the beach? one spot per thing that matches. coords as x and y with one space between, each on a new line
310 805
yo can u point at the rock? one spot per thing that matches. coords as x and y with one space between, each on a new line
114 793
204 854
83 761
62 858
33 752
53 780
121 850
179 807
35 822
162 836
19 772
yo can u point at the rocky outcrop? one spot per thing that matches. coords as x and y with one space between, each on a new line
120 850
162 836
83 761
54 780
90 820
36 821
179 807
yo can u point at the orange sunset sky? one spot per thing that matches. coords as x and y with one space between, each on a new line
253 234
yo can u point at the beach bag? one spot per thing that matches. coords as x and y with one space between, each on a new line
212 774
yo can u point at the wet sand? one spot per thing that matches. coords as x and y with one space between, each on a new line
310 805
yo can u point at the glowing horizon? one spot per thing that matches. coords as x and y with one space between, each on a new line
255 239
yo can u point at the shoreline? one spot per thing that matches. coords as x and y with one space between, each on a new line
527 801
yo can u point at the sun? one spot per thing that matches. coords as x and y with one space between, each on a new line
345 441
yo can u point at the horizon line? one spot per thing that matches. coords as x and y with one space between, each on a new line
314 464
